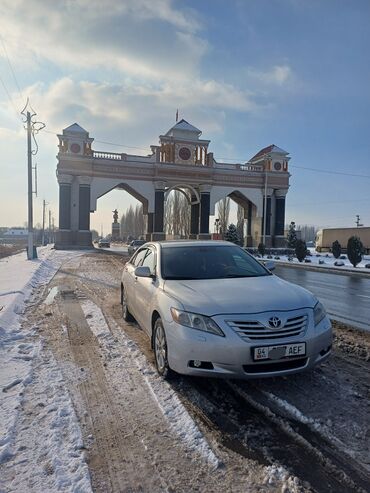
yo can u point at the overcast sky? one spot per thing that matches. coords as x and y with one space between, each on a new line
248 73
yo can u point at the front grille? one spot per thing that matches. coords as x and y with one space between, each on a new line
255 330
279 366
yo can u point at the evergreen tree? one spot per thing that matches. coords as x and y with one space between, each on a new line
261 249
336 248
354 250
232 234
300 250
292 236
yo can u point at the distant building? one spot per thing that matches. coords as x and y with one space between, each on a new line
16 233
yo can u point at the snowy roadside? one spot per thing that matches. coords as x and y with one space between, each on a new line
324 261
170 405
22 361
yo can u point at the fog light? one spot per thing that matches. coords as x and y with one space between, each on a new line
197 363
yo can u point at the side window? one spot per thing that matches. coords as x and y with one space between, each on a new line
149 260
136 261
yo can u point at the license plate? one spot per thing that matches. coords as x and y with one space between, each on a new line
278 352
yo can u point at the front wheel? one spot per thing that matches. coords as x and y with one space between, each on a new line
161 351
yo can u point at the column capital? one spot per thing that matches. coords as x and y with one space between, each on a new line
269 191
65 179
205 188
159 185
84 180
280 193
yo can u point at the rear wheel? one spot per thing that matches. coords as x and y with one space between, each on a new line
161 350
127 317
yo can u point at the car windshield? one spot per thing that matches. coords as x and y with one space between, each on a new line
209 262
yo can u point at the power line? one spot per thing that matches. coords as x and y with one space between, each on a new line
9 97
328 202
343 173
11 68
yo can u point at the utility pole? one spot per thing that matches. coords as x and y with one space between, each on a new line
31 254
43 222
358 221
32 129
50 238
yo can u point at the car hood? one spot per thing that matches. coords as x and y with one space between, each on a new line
240 295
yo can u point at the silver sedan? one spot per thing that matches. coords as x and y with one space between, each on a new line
211 309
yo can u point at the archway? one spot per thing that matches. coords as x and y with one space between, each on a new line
181 161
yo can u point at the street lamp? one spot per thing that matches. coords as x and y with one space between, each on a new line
217 224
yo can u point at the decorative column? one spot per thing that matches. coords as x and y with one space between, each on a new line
149 226
194 218
84 236
158 233
205 191
63 236
249 238
267 223
279 238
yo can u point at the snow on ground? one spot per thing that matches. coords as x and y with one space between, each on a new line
328 260
21 355
173 410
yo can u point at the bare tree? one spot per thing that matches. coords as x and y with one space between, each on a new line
177 214
133 222
223 209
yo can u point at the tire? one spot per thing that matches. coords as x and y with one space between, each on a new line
127 317
161 351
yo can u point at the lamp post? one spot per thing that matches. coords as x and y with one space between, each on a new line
265 207
217 224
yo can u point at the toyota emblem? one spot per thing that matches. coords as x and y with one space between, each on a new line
274 322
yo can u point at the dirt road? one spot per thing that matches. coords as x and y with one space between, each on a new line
307 432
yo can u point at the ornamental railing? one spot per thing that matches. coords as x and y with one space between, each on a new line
109 155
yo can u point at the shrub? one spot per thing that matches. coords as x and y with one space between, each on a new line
354 250
300 250
232 234
292 236
336 249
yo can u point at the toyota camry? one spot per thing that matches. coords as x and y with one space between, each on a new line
212 309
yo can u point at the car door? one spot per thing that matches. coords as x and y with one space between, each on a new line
129 279
145 288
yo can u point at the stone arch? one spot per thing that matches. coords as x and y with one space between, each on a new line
194 194
142 191
252 202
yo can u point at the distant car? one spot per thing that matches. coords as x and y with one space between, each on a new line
211 309
104 243
134 245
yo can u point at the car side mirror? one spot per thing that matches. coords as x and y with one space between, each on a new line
269 265
143 271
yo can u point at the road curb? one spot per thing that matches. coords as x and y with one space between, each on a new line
332 270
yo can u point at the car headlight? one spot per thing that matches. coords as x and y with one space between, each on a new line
196 321
319 313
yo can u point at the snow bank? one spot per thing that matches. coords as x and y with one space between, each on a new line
21 283
328 260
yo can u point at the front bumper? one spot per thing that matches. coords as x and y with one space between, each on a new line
231 357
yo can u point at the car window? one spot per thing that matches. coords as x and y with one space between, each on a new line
138 258
209 262
149 260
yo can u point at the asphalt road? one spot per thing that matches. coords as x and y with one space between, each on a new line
345 297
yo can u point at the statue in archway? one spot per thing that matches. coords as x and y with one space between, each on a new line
115 216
